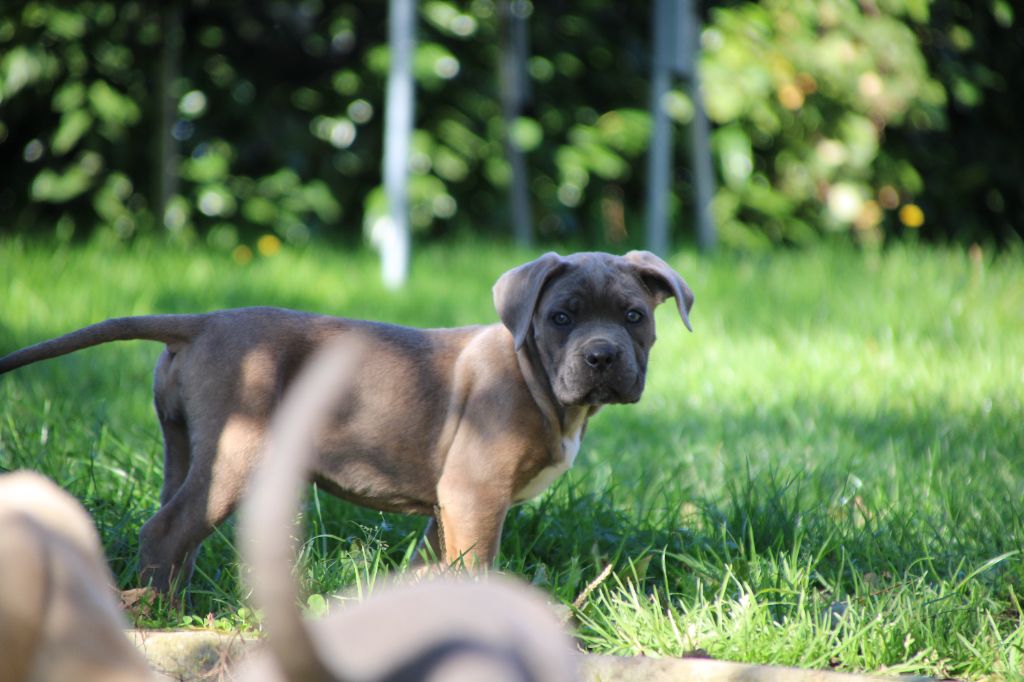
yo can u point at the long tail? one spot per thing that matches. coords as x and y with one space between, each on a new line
169 329
267 514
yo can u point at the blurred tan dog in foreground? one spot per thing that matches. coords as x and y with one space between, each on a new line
442 629
59 617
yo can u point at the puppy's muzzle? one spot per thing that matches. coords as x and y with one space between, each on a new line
600 372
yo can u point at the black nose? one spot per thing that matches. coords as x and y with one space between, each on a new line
601 356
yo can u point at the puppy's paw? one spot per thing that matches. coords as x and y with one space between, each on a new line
138 603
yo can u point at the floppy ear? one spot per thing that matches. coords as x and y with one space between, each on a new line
517 291
662 281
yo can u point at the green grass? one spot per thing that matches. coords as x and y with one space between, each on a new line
828 473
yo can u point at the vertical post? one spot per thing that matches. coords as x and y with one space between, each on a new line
700 145
392 236
514 94
677 19
659 155
165 182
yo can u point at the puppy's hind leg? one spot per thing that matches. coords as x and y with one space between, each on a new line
430 547
219 470
177 446
177 457
177 454
168 541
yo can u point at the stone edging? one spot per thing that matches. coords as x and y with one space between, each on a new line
209 654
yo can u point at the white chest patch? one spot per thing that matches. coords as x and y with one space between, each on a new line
547 475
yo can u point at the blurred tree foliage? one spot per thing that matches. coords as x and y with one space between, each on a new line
871 117
972 165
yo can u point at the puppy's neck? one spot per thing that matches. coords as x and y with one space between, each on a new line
568 420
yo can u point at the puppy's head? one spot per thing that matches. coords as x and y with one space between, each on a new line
590 318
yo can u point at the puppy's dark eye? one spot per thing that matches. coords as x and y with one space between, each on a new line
561 319
634 316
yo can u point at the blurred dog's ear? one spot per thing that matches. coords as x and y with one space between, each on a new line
517 292
662 281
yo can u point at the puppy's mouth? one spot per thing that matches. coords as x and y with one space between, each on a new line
580 394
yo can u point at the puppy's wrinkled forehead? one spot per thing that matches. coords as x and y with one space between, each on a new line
596 278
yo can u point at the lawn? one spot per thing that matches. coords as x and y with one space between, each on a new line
828 473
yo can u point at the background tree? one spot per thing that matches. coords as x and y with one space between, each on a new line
871 119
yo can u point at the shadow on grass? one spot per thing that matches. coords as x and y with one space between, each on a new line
887 492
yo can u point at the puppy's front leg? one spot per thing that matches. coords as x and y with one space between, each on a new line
498 435
470 518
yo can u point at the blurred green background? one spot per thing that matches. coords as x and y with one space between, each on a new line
873 120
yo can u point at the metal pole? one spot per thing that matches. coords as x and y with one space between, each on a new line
700 145
659 156
392 236
513 83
